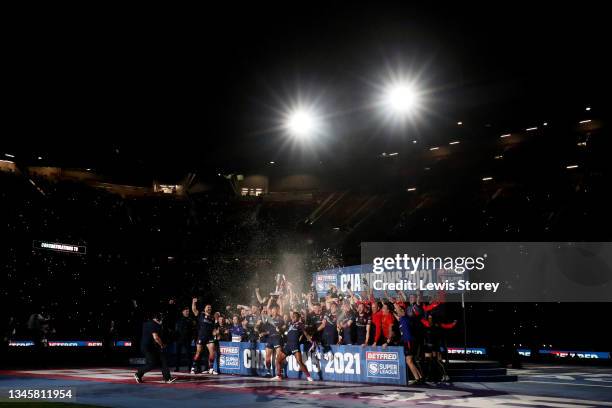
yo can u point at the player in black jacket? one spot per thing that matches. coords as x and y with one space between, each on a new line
185 333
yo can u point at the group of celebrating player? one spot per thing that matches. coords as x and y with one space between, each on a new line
285 320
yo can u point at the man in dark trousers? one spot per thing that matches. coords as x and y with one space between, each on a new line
152 347
185 334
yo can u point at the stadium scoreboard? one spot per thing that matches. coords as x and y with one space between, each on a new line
60 247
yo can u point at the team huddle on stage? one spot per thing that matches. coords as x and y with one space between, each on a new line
285 321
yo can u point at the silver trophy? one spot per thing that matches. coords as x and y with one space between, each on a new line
280 285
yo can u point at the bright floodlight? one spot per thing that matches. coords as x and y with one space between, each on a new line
301 123
401 98
400 101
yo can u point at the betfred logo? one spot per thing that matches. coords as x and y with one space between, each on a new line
63 344
564 354
230 357
383 364
230 350
457 350
381 355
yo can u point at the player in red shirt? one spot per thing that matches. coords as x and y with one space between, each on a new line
384 331
376 321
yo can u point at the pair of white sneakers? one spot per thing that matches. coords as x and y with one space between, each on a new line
211 371
168 381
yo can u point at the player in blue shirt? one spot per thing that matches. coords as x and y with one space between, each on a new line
293 334
408 342
237 331
330 330
270 328
207 327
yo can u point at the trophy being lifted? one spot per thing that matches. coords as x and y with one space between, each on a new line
281 284
313 292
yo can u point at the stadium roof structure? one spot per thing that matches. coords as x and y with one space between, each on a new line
206 98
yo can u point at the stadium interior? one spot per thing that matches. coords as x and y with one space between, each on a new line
209 181
211 230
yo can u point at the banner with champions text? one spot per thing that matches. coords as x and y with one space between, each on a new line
349 364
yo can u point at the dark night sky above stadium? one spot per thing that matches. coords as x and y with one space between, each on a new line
200 90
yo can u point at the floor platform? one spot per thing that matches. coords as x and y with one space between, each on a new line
478 371
537 386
